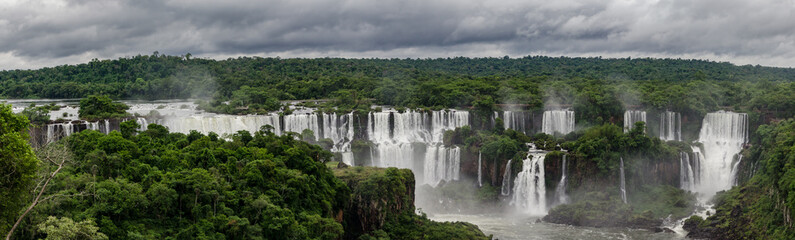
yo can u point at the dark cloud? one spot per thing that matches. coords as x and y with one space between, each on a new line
47 32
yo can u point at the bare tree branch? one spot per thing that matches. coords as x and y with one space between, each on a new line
58 155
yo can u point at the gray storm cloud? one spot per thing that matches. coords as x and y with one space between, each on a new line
49 32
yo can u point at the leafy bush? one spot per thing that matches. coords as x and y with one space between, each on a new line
96 107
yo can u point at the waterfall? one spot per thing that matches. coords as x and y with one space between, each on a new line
50 133
670 126
441 164
399 138
735 168
506 179
480 170
722 136
412 139
221 124
516 121
529 191
631 117
299 122
143 123
560 121
56 131
337 128
623 183
340 130
560 191
695 162
687 180
89 125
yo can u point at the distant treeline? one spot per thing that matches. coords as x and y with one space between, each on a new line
596 87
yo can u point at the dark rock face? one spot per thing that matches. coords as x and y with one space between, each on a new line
377 195
692 225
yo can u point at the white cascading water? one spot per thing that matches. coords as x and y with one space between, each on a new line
441 164
506 179
142 123
480 170
670 126
529 191
631 117
722 136
516 121
299 122
735 168
560 191
411 132
623 183
56 131
220 124
338 128
687 179
558 121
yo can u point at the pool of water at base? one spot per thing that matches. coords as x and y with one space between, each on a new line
509 228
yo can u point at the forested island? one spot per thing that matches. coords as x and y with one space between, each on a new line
328 148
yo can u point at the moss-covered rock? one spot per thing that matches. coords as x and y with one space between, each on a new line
601 210
382 207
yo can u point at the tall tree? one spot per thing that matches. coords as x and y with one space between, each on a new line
18 165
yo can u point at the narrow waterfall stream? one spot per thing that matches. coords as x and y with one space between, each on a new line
506 180
623 183
560 191
480 170
687 180
670 126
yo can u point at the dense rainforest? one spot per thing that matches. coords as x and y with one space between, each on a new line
161 185
595 87
251 184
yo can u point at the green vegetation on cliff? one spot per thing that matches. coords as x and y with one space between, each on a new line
647 208
382 207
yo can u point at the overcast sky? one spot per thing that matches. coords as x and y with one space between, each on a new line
40 33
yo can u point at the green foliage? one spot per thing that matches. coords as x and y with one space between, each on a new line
597 88
246 100
158 184
67 229
18 166
129 128
597 102
39 114
604 145
663 201
101 107
599 209
383 207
